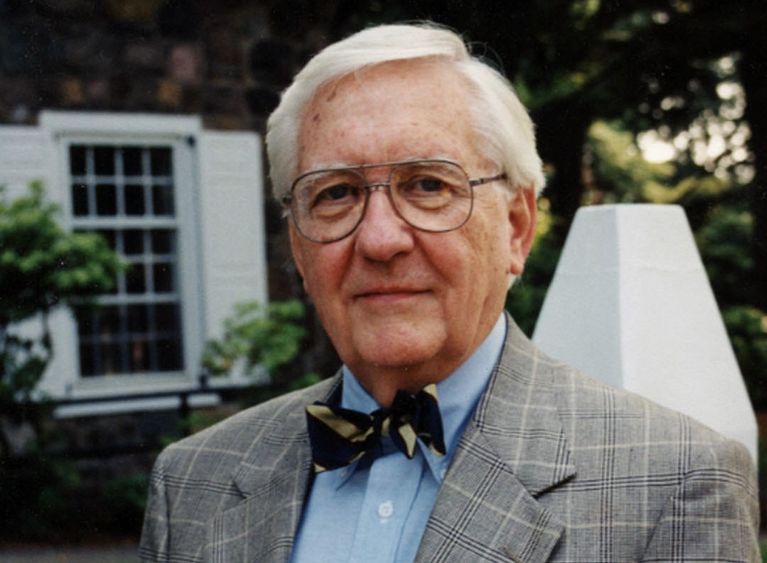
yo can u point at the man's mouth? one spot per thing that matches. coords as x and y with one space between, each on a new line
389 294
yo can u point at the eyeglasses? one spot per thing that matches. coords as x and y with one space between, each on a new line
430 195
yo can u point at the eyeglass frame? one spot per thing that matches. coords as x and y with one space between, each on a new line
288 199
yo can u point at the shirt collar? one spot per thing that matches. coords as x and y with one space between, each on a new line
457 395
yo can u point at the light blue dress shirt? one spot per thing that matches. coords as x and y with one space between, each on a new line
376 511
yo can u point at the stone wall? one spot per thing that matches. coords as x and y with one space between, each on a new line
226 61
221 60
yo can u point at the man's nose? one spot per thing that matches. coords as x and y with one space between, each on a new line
382 234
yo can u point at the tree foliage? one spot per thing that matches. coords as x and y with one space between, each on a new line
42 266
597 75
650 64
258 337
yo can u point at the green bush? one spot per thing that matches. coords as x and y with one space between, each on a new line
257 337
38 497
47 499
125 500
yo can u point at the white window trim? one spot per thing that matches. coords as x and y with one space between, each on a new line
65 128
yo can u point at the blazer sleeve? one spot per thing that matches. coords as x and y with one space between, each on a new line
714 514
156 531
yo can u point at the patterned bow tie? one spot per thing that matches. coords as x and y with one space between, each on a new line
340 437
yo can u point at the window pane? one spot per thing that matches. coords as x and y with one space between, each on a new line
79 199
163 277
167 317
162 241
111 359
106 199
132 161
108 322
138 351
87 360
161 161
104 160
138 318
168 355
134 200
85 321
133 242
77 160
135 281
162 200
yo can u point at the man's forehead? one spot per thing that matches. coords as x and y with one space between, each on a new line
372 84
428 68
422 106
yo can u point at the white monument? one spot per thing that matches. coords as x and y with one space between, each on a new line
630 304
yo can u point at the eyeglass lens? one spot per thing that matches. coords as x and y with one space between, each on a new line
430 195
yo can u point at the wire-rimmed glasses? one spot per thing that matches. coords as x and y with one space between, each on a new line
431 195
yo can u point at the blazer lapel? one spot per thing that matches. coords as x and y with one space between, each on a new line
513 451
274 479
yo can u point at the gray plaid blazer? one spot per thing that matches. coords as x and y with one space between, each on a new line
554 466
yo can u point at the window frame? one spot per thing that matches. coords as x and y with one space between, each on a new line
181 133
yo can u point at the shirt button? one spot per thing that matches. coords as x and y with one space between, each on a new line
386 509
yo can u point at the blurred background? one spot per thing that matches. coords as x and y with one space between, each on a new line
139 245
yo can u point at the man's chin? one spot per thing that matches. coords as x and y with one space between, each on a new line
398 347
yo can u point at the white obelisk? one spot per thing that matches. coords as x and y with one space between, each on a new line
630 304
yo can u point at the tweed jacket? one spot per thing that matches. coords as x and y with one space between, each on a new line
553 466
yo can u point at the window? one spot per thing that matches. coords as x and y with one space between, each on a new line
126 193
183 206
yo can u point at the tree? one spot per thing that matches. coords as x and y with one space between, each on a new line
42 267
598 75
645 63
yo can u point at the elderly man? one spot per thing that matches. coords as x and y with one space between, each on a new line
409 173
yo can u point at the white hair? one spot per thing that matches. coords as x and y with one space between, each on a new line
499 118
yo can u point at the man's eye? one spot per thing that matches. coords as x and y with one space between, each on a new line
425 186
430 185
335 193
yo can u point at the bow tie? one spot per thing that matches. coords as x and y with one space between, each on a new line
339 437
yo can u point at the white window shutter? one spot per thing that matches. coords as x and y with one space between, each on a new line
232 231
23 159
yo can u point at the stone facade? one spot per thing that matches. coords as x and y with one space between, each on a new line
226 61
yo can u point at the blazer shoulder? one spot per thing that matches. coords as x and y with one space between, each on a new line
594 413
603 413
231 439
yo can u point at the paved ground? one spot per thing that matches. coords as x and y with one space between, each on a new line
120 553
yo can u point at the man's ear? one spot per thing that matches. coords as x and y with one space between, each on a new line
523 215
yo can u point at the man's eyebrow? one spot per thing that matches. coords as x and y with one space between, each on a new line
330 166
342 164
